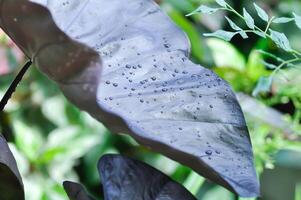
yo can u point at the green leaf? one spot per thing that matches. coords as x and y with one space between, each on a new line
249 19
261 13
69 137
269 65
237 28
221 34
52 109
282 20
261 34
255 67
217 193
181 6
297 20
204 10
28 140
264 85
243 34
281 40
225 55
194 182
221 3
233 25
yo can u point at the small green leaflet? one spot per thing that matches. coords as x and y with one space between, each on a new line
297 20
281 40
233 25
282 20
261 34
237 28
204 10
261 13
249 19
269 65
264 85
224 35
221 3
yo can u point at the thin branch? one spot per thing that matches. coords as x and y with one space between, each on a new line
14 85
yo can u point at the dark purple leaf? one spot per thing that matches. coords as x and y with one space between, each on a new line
148 87
76 191
11 186
124 178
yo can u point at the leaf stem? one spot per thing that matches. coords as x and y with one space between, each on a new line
296 52
231 9
269 24
14 85
283 64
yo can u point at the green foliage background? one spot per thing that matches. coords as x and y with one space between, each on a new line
53 141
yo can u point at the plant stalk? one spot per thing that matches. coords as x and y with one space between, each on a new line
13 85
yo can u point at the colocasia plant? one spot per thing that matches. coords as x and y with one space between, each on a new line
138 181
127 64
280 39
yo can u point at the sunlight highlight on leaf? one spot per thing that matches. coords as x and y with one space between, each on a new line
204 10
221 3
281 40
221 34
249 19
237 28
261 13
297 20
282 20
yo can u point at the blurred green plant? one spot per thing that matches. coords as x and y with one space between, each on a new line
280 39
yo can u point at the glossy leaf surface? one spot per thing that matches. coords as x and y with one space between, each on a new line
148 87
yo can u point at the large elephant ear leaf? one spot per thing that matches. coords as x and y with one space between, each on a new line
124 178
148 87
76 191
11 186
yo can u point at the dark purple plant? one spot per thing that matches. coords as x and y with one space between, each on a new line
145 85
